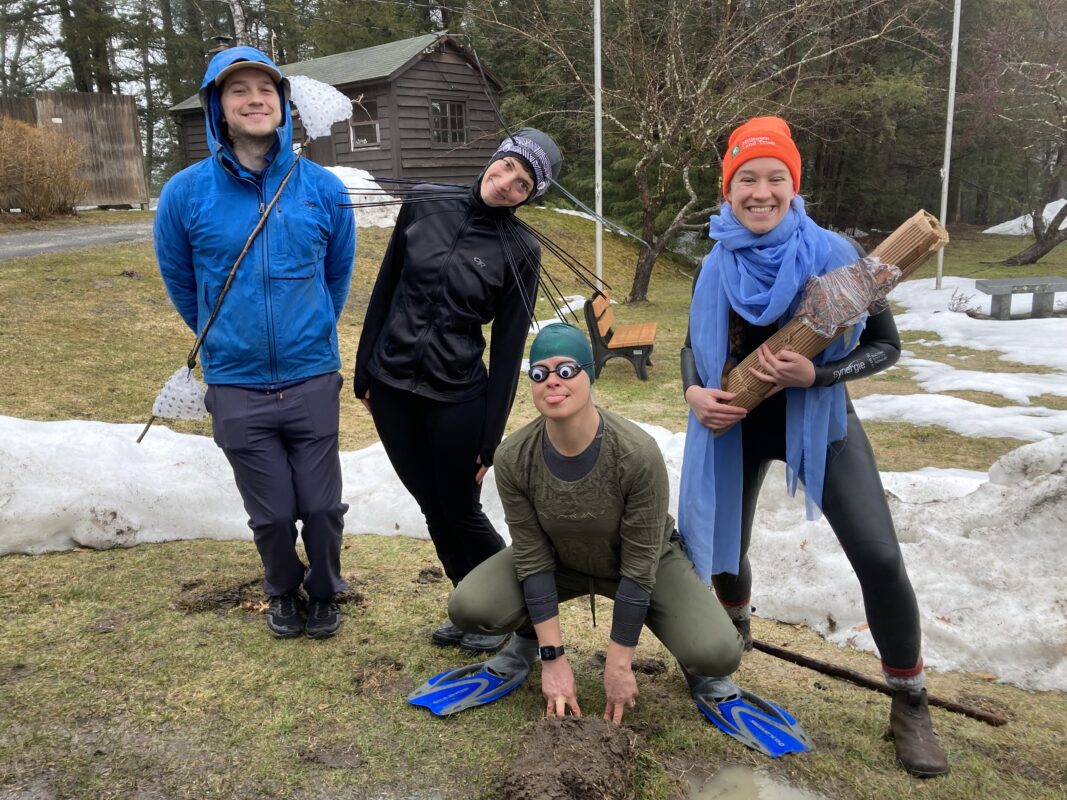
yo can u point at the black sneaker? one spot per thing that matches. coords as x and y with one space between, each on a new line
324 618
285 615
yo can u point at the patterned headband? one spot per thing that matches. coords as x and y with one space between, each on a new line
532 153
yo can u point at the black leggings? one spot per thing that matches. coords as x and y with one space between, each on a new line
854 504
433 446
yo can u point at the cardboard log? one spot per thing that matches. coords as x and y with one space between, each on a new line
908 247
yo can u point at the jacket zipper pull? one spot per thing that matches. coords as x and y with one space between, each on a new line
262 206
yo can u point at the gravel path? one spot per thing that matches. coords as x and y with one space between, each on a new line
34 243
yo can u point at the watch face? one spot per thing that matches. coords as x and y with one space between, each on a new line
550 653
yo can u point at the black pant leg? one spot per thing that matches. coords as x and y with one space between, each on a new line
762 440
855 506
433 446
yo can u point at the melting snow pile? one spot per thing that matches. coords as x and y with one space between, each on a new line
1021 226
985 553
363 189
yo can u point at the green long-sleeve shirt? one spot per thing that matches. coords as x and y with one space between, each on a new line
612 523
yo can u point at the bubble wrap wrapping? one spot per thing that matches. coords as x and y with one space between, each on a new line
319 104
842 296
182 397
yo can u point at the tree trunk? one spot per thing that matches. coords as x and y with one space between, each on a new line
1039 248
71 42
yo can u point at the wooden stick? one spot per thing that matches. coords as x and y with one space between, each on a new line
869 683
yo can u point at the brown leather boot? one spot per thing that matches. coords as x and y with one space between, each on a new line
913 735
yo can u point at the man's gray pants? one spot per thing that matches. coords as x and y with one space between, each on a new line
282 446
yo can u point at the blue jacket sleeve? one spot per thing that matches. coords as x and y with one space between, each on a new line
340 252
175 255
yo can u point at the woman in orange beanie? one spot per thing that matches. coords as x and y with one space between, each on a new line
749 285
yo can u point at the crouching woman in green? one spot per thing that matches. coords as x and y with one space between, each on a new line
585 497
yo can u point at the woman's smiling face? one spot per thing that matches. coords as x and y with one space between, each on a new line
760 193
506 183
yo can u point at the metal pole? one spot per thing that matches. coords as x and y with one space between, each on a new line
598 157
948 132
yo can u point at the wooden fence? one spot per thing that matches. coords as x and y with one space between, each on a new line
106 126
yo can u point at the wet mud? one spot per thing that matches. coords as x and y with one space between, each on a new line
575 758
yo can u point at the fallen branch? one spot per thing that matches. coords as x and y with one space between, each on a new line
869 683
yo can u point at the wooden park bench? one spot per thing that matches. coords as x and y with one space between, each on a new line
1043 289
632 342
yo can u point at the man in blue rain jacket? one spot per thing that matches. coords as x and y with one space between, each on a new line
270 358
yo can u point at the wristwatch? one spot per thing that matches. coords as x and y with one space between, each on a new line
551 653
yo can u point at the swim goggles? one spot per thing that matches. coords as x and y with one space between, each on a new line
568 369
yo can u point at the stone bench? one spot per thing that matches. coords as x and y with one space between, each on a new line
1043 288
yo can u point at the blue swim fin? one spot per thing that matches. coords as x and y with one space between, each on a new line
465 687
757 723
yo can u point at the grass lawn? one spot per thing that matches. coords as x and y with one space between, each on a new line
14 223
148 673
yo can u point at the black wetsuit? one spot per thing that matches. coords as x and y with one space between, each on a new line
853 498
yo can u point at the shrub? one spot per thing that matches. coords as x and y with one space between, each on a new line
39 170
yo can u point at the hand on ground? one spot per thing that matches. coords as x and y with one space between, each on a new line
558 688
620 687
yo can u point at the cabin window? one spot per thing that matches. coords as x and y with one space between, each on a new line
363 130
448 122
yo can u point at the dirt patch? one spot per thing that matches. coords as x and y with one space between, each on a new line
38 787
335 755
352 594
109 620
640 665
382 677
199 596
575 757
16 672
430 575
986 704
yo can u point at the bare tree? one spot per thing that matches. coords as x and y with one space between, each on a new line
680 74
1017 91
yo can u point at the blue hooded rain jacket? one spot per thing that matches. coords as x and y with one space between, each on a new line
278 322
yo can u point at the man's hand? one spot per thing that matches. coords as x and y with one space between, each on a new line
786 369
365 399
557 686
712 407
482 469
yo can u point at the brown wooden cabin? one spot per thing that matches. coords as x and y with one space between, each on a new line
421 113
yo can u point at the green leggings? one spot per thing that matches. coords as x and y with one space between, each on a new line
683 613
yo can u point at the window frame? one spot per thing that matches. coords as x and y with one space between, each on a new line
464 129
354 122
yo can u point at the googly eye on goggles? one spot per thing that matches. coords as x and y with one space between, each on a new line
568 369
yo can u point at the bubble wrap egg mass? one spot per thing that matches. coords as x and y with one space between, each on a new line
319 105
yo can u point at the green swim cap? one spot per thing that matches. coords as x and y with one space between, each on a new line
563 339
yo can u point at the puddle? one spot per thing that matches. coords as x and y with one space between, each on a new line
744 783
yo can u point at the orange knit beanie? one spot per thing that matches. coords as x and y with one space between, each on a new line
761 136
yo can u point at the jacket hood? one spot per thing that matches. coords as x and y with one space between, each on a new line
211 102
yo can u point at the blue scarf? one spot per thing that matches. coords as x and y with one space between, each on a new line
762 278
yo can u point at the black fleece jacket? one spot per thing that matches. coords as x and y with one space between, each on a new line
453 265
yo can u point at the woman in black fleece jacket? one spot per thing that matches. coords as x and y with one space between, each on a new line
458 259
